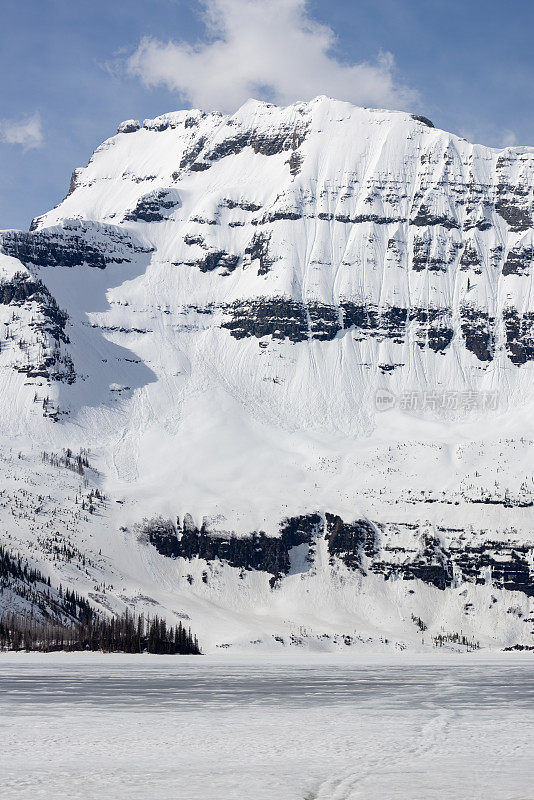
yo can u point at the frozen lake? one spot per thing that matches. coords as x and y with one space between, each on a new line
92 726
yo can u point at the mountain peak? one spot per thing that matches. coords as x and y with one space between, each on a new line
298 344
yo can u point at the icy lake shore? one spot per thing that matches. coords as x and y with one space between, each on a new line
288 727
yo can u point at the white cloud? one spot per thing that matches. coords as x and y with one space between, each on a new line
25 132
508 139
489 135
268 50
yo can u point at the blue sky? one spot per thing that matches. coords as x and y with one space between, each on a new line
70 71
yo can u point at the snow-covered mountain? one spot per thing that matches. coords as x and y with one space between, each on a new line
295 347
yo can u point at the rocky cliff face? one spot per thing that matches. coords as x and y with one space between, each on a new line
307 333
388 230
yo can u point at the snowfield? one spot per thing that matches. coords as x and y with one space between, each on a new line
209 314
116 727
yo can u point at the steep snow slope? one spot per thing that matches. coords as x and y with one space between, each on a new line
298 343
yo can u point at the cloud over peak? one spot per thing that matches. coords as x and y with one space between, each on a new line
274 51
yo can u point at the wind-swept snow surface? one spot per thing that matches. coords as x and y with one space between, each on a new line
122 728
296 347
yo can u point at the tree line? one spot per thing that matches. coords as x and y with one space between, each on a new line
61 619
28 583
127 633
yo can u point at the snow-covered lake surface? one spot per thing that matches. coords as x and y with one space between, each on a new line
112 727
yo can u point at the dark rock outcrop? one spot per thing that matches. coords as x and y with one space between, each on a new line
517 218
424 120
350 542
282 318
477 329
277 317
213 259
505 564
425 217
72 245
258 249
129 126
22 289
154 207
271 144
48 322
199 156
519 261
360 545
257 551
519 330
